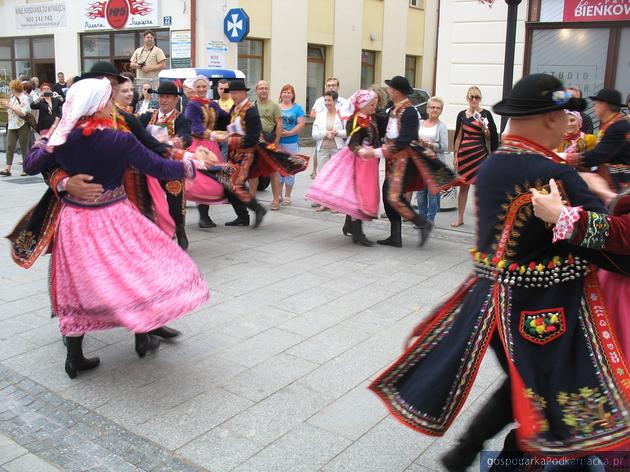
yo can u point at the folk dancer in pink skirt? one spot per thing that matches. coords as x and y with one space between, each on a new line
205 116
349 182
93 285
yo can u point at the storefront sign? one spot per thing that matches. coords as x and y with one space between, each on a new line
582 76
596 10
180 49
40 15
119 14
215 53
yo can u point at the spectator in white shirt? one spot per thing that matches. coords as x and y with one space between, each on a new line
331 84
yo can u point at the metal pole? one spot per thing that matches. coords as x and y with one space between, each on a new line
510 45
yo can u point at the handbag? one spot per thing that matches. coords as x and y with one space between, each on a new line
31 121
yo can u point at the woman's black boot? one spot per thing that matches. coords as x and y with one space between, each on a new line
146 343
347 226
75 361
204 218
358 237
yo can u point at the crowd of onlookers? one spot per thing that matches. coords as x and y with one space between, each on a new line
33 109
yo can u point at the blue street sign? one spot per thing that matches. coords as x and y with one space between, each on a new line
236 25
167 20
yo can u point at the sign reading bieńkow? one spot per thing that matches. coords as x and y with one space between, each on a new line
40 15
596 10
119 14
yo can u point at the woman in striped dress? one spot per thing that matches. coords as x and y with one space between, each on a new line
474 127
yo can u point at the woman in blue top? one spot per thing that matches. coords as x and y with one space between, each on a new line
292 125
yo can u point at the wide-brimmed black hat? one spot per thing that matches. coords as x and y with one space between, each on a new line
104 68
607 95
237 84
166 88
536 94
401 84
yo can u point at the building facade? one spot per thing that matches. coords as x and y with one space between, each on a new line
585 43
301 42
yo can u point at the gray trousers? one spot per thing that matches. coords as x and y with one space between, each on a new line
13 135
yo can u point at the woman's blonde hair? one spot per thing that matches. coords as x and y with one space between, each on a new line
381 94
474 90
16 85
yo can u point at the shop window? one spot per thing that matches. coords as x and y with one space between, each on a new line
315 74
250 61
117 47
43 48
622 81
124 44
21 48
554 52
410 69
368 68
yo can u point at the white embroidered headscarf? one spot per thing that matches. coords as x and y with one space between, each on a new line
83 99
358 100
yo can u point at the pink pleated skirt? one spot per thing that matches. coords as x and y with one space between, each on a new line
203 189
616 291
112 267
349 185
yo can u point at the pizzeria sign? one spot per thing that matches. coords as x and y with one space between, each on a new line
119 14
596 10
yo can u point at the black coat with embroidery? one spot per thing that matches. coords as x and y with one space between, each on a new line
571 392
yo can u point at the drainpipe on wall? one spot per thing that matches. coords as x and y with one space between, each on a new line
193 33
435 57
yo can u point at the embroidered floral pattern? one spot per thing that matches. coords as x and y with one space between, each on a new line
585 412
539 404
543 326
597 226
566 223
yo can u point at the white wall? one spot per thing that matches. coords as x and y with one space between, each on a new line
394 39
471 50
347 51
209 23
289 48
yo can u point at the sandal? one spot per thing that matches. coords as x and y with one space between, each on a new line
321 208
275 206
23 174
286 201
5 173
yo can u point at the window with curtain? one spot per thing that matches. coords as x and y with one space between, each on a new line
368 68
250 61
315 74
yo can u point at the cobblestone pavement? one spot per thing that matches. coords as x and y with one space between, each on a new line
270 375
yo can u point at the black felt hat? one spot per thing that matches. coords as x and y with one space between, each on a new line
536 94
607 95
401 84
104 68
166 88
237 84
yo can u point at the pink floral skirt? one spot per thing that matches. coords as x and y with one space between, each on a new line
349 185
112 267
616 291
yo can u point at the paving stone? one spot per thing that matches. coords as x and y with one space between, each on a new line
271 418
29 462
9 450
388 446
257 349
268 377
340 417
315 321
316 447
328 344
219 450
187 421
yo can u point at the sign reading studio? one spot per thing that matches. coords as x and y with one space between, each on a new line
119 14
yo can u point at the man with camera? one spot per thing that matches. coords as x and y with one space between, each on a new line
148 60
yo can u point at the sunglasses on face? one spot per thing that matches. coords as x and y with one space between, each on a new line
474 97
